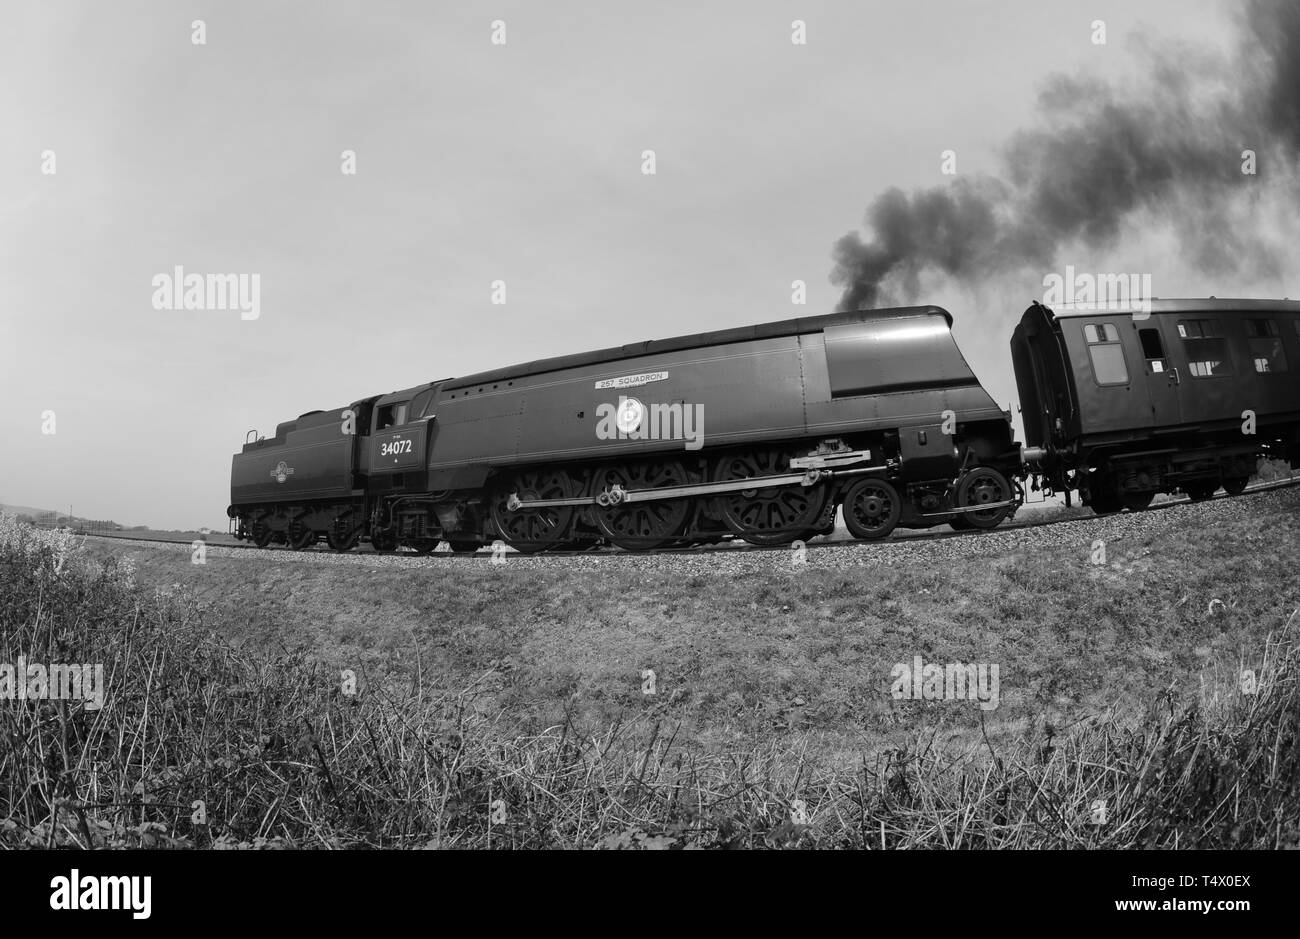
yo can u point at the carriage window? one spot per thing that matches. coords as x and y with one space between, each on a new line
1153 350
1207 350
1100 332
1265 346
1106 353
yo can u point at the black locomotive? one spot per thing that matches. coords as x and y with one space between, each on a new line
761 433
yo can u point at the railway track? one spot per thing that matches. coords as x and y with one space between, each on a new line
730 547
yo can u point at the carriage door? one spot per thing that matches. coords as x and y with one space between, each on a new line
1163 377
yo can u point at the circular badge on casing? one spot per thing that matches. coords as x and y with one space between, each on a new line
630 414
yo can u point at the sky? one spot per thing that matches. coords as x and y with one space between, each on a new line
474 162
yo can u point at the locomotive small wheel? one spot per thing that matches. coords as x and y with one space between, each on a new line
1235 485
642 526
771 516
1137 501
1199 492
464 547
261 535
426 545
960 523
383 542
872 508
982 486
532 530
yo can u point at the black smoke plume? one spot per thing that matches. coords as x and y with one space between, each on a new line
1097 157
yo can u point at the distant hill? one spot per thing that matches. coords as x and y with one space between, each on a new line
22 510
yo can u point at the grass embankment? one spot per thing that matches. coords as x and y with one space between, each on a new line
505 705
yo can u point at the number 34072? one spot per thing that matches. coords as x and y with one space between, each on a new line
395 447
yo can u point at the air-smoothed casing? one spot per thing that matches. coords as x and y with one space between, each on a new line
816 377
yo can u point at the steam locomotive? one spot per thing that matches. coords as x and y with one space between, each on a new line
762 433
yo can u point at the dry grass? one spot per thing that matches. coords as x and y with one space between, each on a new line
281 757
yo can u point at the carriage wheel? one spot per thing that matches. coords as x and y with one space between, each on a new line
770 516
984 486
533 530
1235 485
872 507
642 526
1105 503
1137 501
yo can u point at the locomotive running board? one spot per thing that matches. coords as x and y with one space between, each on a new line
616 495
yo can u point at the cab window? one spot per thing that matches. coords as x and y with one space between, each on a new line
391 415
1207 351
1265 346
1106 353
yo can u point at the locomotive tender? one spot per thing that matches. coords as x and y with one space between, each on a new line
762 432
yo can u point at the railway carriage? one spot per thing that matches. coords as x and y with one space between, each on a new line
1186 396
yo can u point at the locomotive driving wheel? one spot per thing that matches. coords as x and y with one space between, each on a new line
533 530
642 526
825 524
773 515
872 508
984 486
